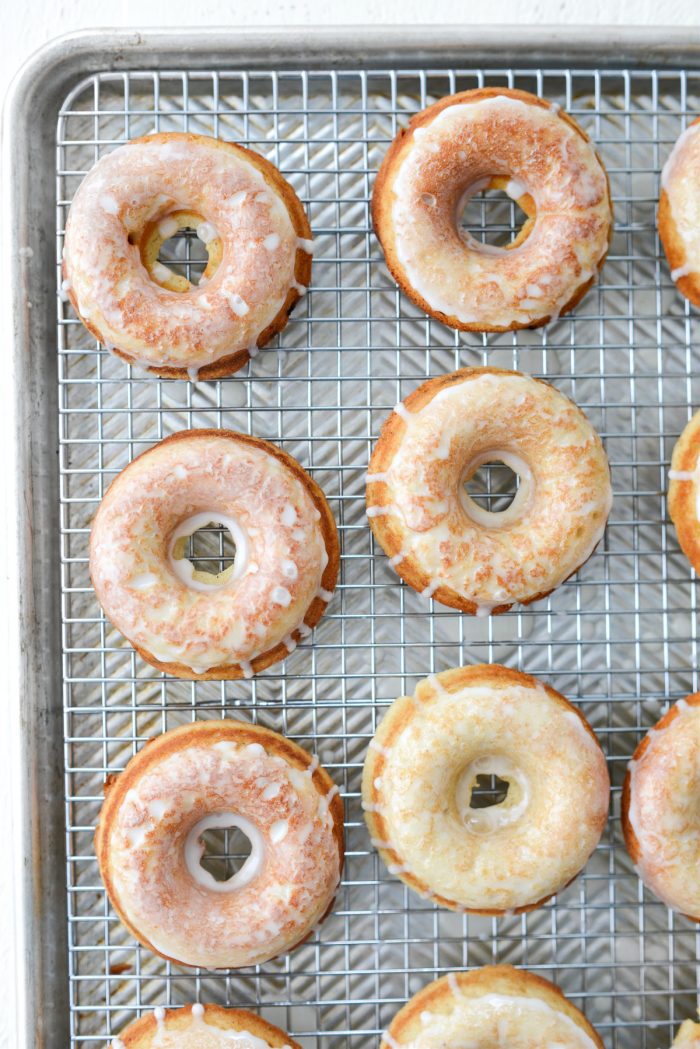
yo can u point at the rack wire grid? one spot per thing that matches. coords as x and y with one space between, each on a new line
619 639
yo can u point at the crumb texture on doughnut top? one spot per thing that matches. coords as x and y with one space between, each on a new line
467 143
202 1027
245 207
661 808
217 774
439 541
425 760
679 212
285 567
493 1006
684 490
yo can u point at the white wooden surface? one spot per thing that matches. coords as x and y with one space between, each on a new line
26 26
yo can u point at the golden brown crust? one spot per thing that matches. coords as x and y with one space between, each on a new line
384 527
140 1033
394 722
438 997
203 733
682 500
329 578
674 249
302 267
381 204
631 841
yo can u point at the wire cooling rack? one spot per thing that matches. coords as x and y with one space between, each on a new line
619 640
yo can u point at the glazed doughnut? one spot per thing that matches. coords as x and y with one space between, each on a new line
679 217
202 1027
494 1006
426 758
684 491
493 138
220 774
660 814
688 1035
189 623
437 538
248 215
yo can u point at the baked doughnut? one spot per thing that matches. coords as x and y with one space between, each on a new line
202 1027
189 623
493 138
679 217
428 755
684 490
660 816
494 1006
437 538
688 1035
220 774
248 215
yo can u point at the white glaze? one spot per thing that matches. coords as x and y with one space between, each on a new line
663 810
143 182
535 148
555 521
187 619
281 891
417 792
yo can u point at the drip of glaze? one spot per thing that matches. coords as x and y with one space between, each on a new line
402 411
681 271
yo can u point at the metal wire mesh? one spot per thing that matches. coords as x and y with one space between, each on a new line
619 639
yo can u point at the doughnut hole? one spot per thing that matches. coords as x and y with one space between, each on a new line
180 250
208 551
498 216
496 489
225 850
491 792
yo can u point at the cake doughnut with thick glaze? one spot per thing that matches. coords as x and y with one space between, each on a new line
493 1006
426 758
220 774
251 220
202 1027
679 217
660 814
192 624
684 490
438 539
493 138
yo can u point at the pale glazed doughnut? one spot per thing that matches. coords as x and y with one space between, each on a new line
220 774
660 812
493 1006
254 614
202 1027
688 1035
500 138
252 221
444 545
679 212
684 490
424 760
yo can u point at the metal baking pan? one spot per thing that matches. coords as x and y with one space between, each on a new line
619 639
